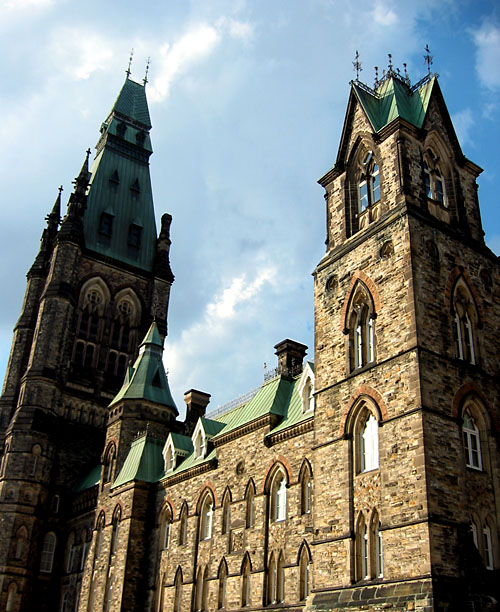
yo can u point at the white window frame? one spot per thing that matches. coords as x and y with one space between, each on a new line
472 443
280 500
368 443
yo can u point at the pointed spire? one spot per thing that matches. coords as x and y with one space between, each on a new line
72 224
153 336
82 180
54 217
127 72
145 80
428 58
357 65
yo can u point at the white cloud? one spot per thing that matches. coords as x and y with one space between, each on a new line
487 40
80 53
23 5
463 122
383 15
195 45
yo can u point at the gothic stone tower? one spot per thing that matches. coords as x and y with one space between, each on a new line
93 290
406 465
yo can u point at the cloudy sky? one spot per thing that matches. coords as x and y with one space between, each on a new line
247 100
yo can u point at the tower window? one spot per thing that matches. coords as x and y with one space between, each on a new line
472 444
369 444
368 183
361 328
433 178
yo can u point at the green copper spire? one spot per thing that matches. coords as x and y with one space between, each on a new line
147 378
119 220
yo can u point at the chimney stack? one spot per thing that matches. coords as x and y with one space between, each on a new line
290 357
196 405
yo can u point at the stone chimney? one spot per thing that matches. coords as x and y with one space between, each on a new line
196 405
290 357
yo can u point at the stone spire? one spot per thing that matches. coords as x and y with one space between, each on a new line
72 224
48 238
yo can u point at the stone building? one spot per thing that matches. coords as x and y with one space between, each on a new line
365 480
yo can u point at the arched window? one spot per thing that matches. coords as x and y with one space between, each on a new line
11 597
65 602
488 547
206 518
36 451
379 551
368 443
433 178
199 444
70 554
166 527
48 551
361 328
116 529
466 321
245 582
109 461
21 542
305 489
183 524
202 589
304 573
222 575
280 580
226 512
250 505
109 594
178 590
368 183
472 442
362 550
279 498
271 580
99 535
85 546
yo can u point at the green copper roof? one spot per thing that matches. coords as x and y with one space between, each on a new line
90 480
144 462
147 378
211 427
119 220
132 102
392 99
182 443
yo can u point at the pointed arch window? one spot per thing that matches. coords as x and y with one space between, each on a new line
433 178
202 589
226 513
379 551
368 442
466 319
21 542
304 573
115 530
166 528
178 590
305 490
368 183
48 552
361 328
109 461
183 525
280 579
71 553
206 518
278 497
488 547
222 575
245 582
472 442
99 535
11 597
250 506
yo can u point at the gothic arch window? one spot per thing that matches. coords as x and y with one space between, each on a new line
245 581
165 527
109 462
222 576
178 590
48 552
475 433
488 547
126 317
472 442
226 512
271 580
368 181
109 594
99 534
183 524
70 552
250 505
280 579
466 322
364 426
304 572
21 543
85 547
305 488
361 327
94 297
36 451
376 547
117 515
206 517
202 590
278 496
11 597
433 178
362 552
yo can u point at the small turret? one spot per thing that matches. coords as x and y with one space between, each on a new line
72 225
40 265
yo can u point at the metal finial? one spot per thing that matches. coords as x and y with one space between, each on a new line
127 72
428 58
60 189
357 65
88 151
390 62
145 80
406 71
376 75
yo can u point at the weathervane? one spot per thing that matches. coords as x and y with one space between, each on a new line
357 65
145 80
127 72
428 58
390 63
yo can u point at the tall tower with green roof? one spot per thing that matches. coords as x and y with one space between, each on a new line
101 278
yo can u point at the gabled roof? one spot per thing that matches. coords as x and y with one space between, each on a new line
147 378
144 462
183 444
91 479
393 99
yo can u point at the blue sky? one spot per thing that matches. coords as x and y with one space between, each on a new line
247 100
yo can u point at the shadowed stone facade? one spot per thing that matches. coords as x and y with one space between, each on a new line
367 480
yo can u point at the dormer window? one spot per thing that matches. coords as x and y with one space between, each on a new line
199 445
106 224
134 236
169 459
368 183
306 388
